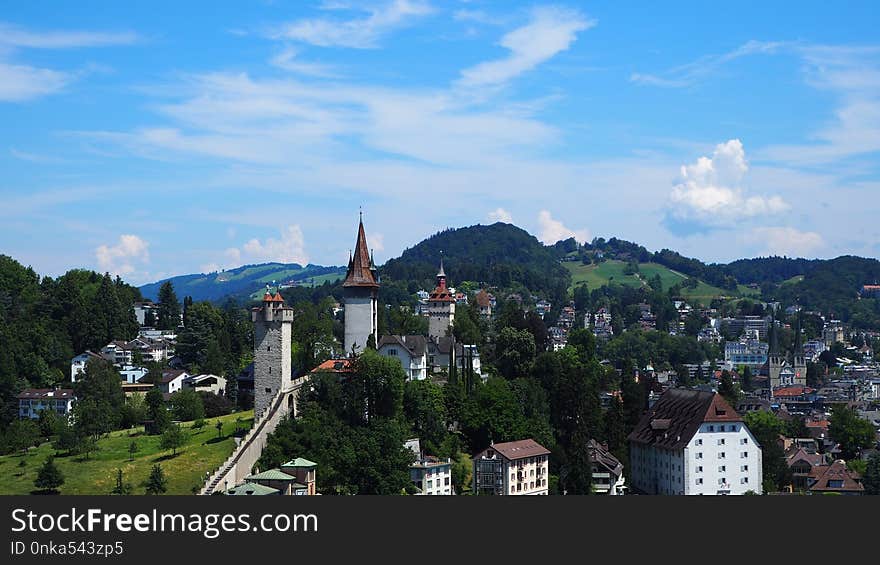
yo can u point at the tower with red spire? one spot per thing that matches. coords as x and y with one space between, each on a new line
360 294
441 307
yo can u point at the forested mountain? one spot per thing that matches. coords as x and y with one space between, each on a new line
243 281
45 322
500 254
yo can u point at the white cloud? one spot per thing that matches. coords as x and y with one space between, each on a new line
710 190
288 248
376 241
786 241
14 36
550 31
120 259
22 82
691 73
361 33
288 60
554 230
500 215
210 268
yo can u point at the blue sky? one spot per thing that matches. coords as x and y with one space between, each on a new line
158 138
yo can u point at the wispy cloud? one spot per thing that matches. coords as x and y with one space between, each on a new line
288 59
853 75
358 33
21 82
691 73
551 30
785 241
15 36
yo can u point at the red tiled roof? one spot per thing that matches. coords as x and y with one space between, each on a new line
482 299
837 471
796 390
359 273
335 366
677 416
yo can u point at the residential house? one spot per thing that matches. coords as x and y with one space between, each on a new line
171 381
802 463
836 478
692 443
484 301
607 470
432 476
294 478
512 468
32 401
410 350
206 383
78 364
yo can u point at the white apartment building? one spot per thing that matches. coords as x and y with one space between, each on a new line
410 350
694 443
432 476
512 468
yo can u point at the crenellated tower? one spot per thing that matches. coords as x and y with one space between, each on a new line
273 333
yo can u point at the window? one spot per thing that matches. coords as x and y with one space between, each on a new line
721 441
744 455
721 455
392 352
744 468
698 442
711 428
744 481
699 481
722 481
446 481
699 455
268 348
699 469
722 468
744 441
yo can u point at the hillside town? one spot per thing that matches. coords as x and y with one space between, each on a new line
682 397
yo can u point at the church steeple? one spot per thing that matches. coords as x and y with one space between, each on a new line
360 272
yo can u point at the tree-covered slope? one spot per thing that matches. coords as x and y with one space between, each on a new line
243 281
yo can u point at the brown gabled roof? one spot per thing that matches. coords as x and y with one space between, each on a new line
677 416
359 273
53 393
837 471
514 450
482 299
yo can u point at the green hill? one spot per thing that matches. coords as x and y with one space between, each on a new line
244 282
614 271
97 475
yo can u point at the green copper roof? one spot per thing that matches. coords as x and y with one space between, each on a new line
253 489
300 462
270 475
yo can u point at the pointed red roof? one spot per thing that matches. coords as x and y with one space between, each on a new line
267 297
278 297
359 273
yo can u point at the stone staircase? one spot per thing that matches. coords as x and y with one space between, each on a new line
238 465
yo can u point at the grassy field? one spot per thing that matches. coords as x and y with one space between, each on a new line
202 452
612 271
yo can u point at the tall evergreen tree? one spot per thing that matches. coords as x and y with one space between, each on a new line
169 307
49 477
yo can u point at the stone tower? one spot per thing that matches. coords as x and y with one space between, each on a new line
798 359
441 307
273 331
776 361
360 294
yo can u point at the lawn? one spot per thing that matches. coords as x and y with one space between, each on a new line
202 452
612 271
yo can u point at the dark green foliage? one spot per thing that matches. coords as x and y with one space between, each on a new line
156 483
98 409
49 477
353 428
121 488
871 478
215 405
852 432
514 352
186 405
22 435
500 254
173 438
169 307
157 413
423 405
766 428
